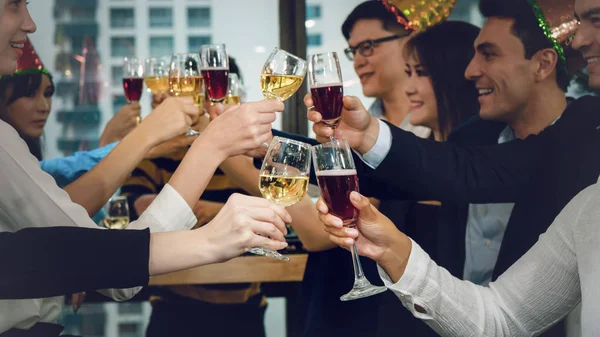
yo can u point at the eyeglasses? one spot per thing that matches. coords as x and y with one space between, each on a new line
365 48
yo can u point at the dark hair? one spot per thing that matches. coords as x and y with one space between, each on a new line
234 68
526 28
372 10
444 51
22 85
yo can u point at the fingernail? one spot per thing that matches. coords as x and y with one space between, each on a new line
349 242
322 209
355 197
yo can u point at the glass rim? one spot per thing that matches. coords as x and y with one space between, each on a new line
331 144
291 141
332 53
223 45
287 53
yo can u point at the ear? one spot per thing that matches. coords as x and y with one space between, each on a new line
544 62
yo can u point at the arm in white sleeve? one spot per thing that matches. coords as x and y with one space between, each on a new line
380 150
536 292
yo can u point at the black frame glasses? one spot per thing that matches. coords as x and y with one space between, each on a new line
365 48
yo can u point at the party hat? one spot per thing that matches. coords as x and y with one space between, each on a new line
30 62
423 14
556 18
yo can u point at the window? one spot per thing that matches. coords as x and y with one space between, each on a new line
117 76
194 42
122 18
199 17
83 14
313 12
122 46
161 17
313 40
161 46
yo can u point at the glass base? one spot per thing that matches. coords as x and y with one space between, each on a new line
362 288
268 253
192 132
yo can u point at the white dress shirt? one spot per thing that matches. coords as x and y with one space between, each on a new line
561 270
31 198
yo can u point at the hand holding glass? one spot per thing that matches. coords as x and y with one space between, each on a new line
336 175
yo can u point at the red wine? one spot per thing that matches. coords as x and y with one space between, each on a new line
133 88
336 186
216 82
328 101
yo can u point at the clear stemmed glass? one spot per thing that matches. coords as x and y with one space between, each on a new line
284 178
337 178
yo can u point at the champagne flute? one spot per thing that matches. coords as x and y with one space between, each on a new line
336 175
185 78
234 90
116 213
215 71
284 178
156 74
325 80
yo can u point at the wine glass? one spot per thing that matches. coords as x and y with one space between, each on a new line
284 178
234 90
282 75
325 80
133 79
215 71
336 176
156 74
185 78
116 213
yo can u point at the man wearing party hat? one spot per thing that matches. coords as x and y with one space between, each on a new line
521 69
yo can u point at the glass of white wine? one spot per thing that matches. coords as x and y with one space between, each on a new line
116 213
156 74
282 75
234 90
284 178
185 79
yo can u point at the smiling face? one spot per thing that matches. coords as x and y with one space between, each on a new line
15 24
502 73
28 114
383 71
587 39
419 89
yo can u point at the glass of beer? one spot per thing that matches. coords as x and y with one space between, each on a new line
116 213
282 75
284 178
337 178
215 71
325 80
185 78
133 79
156 75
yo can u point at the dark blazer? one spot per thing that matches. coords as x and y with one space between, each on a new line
54 261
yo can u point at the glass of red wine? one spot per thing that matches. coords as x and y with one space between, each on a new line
325 81
337 178
215 71
133 79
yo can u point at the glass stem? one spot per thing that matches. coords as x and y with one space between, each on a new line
358 272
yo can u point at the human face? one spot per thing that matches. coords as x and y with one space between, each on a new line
29 114
383 71
504 77
419 89
587 39
15 24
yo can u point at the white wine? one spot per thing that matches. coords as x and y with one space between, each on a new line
232 99
186 86
157 85
116 222
279 87
283 190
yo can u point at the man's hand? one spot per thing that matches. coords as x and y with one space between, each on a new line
356 125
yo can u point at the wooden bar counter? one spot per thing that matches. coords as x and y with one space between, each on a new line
239 270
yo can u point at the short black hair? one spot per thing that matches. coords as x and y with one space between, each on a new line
444 51
526 27
372 10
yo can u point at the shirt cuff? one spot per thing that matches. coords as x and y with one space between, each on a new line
381 148
170 212
412 283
